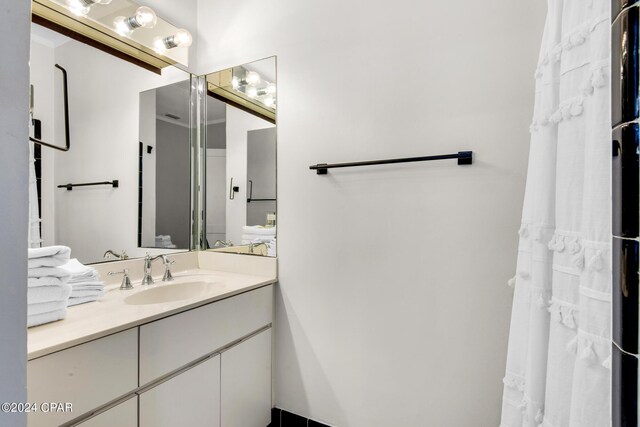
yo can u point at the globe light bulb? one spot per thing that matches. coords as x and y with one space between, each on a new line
146 17
159 45
253 78
78 8
269 101
271 89
252 92
83 7
235 83
121 26
183 38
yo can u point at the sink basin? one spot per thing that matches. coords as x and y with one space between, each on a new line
172 292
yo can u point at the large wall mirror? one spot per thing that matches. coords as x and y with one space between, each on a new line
241 199
87 197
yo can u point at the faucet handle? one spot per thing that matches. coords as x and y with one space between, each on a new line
126 282
167 269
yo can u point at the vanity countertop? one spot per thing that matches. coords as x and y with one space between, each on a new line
111 314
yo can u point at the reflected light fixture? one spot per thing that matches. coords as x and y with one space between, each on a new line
253 78
182 38
82 7
145 17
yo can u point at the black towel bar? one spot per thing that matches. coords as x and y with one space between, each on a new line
464 158
115 183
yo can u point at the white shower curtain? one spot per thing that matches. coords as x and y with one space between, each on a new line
558 365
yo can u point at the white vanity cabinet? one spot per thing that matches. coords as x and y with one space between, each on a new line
87 376
206 366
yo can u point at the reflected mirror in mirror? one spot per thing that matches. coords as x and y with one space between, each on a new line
241 196
104 112
165 167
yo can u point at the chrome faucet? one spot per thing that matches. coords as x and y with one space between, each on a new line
252 246
111 254
222 244
126 282
147 279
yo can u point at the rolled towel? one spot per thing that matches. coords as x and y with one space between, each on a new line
45 307
259 229
51 316
42 294
33 282
248 238
48 272
48 256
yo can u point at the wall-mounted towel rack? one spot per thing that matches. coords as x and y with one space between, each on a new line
464 158
66 116
251 199
115 184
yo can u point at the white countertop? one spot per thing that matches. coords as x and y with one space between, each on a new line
112 314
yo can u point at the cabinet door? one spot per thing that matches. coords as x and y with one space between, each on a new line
175 341
123 415
189 399
246 383
87 376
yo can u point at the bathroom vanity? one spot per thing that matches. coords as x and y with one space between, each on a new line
193 351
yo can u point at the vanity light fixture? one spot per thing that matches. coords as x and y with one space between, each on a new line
145 17
182 38
82 7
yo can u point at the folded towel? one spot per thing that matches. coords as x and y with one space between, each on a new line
82 300
49 256
259 229
87 286
79 270
48 272
43 294
33 282
51 316
45 307
248 238
84 293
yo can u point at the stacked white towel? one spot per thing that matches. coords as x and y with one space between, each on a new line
47 287
85 283
164 241
260 234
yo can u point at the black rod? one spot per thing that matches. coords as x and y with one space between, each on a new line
115 183
260 200
66 116
464 158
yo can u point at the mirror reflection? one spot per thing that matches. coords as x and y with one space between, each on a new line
165 167
86 197
241 199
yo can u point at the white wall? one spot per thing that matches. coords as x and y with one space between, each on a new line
393 305
238 124
104 96
14 107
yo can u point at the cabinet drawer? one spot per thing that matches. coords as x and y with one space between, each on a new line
170 343
87 376
123 415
